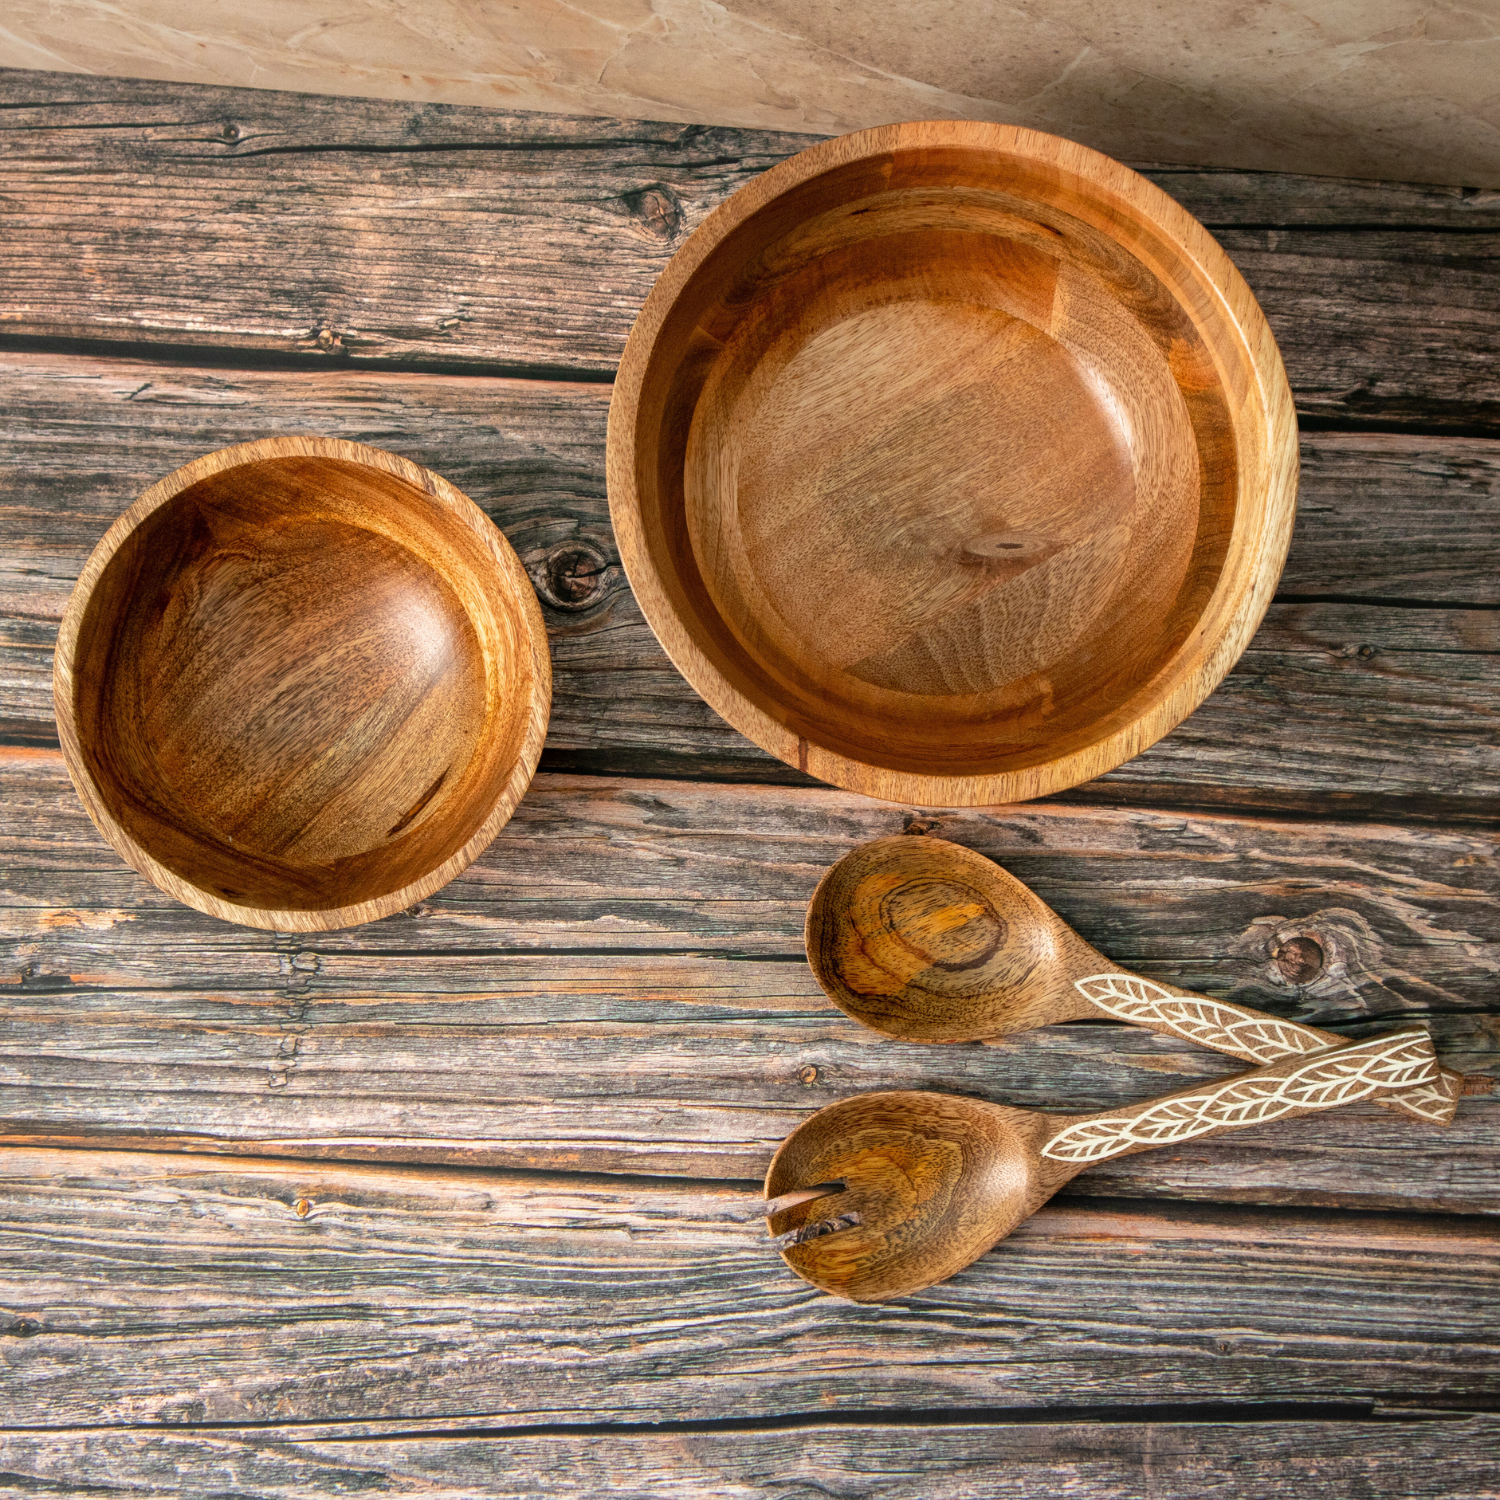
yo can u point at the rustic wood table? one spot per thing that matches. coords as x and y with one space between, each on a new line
445 1205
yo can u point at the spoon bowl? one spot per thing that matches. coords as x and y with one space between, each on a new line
925 940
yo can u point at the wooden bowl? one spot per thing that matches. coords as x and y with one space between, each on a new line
952 463
302 683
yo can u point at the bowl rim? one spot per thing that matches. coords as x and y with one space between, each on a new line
512 577
1247 578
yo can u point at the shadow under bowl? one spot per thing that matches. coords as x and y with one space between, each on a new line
952 463
302 683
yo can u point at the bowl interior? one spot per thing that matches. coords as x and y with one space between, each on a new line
936 463
299 684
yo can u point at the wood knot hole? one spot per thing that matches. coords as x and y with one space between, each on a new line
231 133
1002 546
656 212
1299 960
572 576
303 1208
808 1074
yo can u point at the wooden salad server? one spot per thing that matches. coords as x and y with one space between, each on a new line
926 940
883 1194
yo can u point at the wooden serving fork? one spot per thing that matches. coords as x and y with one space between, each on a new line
883 1194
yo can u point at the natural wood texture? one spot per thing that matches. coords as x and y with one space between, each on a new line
924 939
926 1183
1448 1457
618 984
1450 288
1226 199
1428 696
835 475
181 1289
1389 518
1380 517
301 683
445 236
331 228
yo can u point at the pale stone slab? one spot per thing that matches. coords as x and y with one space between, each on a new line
1398 89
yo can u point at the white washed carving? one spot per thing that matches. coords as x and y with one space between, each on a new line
1405 1060
1211 1023
1243 1033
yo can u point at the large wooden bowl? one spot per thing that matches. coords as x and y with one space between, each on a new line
952 463
302 683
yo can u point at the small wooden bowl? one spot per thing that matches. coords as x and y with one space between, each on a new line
952 463
302 683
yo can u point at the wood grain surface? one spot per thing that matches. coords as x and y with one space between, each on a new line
191 1290
1445 1458
641 944
1389 707
283 223
617 985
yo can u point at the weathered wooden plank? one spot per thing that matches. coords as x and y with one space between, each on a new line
1388 517
1379 516
1382 517
143 1289
618 985
1443 1458
1333 698
680 1101
1227 199
296 224
1330 699
1407 918
1381 325
377 230
295 121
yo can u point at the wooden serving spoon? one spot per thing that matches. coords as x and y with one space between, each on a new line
932 1181
926 940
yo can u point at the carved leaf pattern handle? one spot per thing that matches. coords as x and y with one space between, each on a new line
1244 1033
1338 1075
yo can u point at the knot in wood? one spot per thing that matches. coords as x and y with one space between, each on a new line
1002 546
303 1208
656 212
1299 960
808 1074
572 576
327 340
231 133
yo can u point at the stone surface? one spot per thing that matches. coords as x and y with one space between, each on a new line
1399 89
